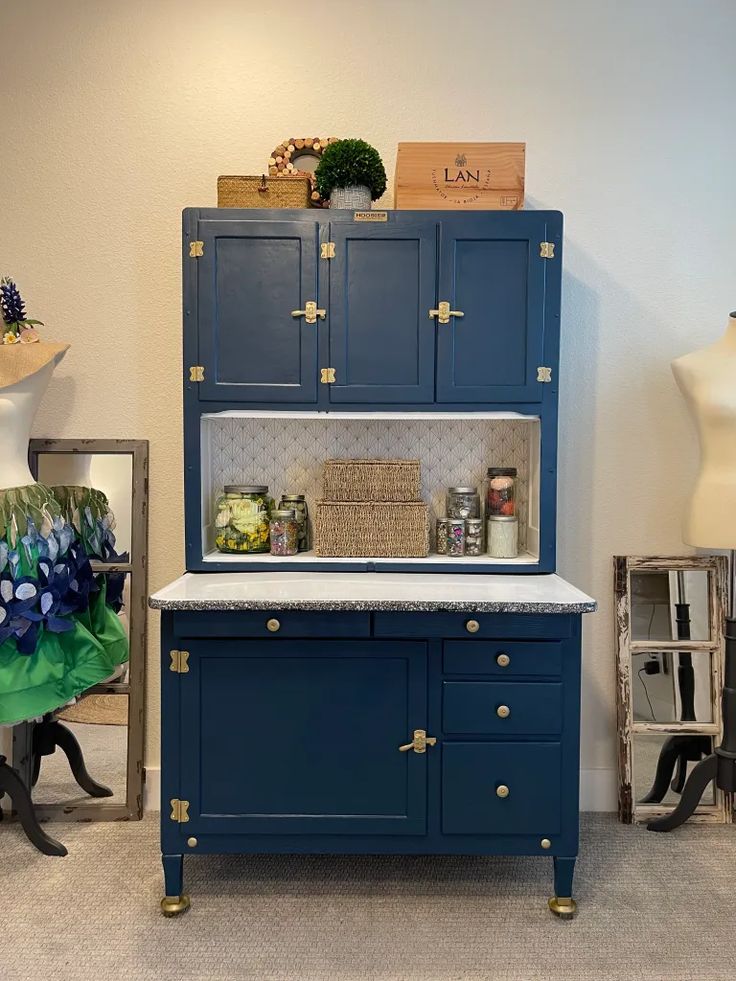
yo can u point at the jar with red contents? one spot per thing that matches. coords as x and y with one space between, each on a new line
501 492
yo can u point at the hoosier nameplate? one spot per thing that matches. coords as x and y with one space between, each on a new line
370 216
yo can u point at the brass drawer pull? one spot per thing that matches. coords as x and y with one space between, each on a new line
503 660
310 312
273 625
502 790
443 313
419 743
472 626
503 711
545 843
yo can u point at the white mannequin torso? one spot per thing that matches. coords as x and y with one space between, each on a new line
18 406
707 379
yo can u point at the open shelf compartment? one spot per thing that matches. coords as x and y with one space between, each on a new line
286 450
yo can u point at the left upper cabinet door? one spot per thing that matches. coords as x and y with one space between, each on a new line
250 277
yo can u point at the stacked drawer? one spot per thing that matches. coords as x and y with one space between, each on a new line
502 720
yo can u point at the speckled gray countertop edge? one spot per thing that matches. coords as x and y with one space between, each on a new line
397 606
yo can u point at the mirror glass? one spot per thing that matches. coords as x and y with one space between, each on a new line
667 606
676 756
112 473
98 723
671 686
305 160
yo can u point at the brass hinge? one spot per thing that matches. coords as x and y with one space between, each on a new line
196 250
547 250
179 810
179 662
544 374
196 373
327 375
327 250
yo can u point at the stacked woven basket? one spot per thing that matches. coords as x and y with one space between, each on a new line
372 508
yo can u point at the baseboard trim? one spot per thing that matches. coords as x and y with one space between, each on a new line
597 790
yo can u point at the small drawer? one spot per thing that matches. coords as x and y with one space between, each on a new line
524 626
502 708
271 623
501 788
502 658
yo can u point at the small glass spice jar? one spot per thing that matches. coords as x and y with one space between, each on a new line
284 530
455 536
463 502
241 518
441 536
501 492
503 537
473 536
298 503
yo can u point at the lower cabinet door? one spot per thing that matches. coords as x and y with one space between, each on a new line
501 788
291 736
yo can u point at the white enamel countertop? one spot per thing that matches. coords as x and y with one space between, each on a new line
371 591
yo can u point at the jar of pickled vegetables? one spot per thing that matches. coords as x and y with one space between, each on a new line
241 518
284 532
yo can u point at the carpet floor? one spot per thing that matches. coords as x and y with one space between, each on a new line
654 907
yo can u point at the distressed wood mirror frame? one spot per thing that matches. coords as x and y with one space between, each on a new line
630 809
136 608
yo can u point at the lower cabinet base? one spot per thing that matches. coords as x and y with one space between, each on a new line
176 901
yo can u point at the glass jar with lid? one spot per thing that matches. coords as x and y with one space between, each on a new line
284 532
501 492
462 502
298 503
241 518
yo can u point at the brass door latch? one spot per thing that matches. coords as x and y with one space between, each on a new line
310 312
419 743
443 313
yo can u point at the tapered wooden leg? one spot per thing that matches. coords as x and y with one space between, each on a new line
11 784
66 740
175 901
562 904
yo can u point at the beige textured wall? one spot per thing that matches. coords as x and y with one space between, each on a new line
114 115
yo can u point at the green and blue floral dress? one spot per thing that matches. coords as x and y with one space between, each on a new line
59 629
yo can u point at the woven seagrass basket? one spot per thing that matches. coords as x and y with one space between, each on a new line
372 480
377 529
263 192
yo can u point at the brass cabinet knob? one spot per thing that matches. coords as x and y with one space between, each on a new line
545 843
192 842
503 711
273 625
502 790
503 660
472 626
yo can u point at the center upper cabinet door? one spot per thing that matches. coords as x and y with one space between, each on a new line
382 285
492 272
251 276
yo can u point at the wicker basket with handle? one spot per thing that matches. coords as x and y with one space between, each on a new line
263 192
372 480
377 529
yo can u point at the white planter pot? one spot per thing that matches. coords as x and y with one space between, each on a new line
357 198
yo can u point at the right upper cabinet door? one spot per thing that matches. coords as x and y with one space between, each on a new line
493 270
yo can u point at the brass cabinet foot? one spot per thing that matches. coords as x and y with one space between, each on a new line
174 905
563 906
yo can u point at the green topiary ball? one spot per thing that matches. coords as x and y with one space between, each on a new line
347 163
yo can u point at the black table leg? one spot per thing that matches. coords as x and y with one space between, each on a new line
53 733
11 784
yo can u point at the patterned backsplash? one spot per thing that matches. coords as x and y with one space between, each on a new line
287 454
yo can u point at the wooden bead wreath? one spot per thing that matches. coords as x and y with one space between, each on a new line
284 161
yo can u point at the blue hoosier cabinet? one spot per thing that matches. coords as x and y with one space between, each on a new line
323 704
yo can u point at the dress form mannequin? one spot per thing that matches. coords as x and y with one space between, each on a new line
707 379
18 406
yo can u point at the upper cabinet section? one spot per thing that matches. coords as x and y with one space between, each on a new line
315 309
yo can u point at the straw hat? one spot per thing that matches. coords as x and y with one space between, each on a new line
20 360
